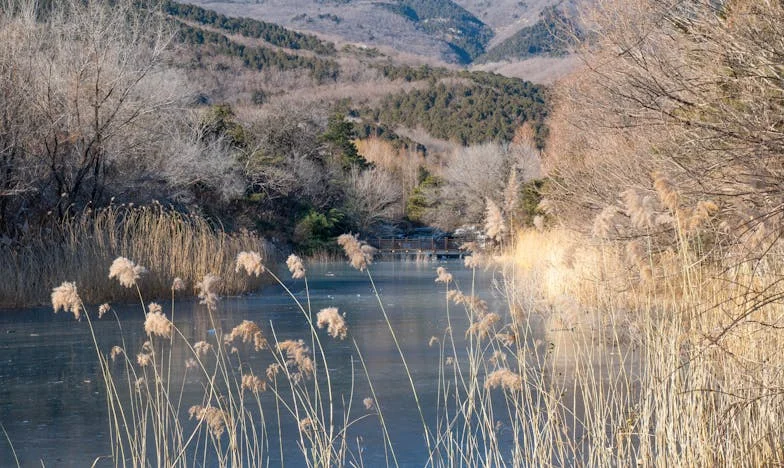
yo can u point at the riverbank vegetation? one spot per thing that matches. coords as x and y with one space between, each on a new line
245 124
664 212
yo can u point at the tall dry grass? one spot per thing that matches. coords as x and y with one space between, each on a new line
169 243
677 368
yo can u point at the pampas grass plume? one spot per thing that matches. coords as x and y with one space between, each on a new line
335 323
66 297
126 271
359 254
250 262
296 267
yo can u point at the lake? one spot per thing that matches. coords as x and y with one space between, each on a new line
52 397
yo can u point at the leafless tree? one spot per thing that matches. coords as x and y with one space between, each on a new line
373 196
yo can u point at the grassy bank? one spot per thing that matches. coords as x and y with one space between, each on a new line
677 368
79 249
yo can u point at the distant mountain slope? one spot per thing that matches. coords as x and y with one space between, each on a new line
452 31
551 35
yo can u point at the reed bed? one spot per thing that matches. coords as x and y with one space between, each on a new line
170 244
589 364
677 368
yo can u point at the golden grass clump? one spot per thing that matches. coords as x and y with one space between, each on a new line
168 243
298 356
214 418
506 379
126 271
208 288
297 269
66 297
443 276
247 332
156 323
251 262
335 323
253 384
359 254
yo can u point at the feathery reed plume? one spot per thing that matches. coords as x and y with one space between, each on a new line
603 224
668 193
144 359
156 323
126 272
639 209
296 267
511 192
207 290
473 303
495 226
253 384
307 425
368 402
297 355
701 214
433 341
539 223
191 363
636 254
546 207
273 370
482 328
507 339
103 309
178 284
66 297
335 323
443 276
250 262
504 378
360 254
247 332
474 260
214 418
116 351
202 348
497 358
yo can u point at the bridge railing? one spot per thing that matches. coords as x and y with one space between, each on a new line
450 244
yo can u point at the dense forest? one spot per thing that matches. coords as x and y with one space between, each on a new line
480 107
269 32
257 58
554 34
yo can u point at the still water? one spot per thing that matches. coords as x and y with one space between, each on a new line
52 399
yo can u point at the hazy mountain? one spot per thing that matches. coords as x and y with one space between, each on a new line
456 31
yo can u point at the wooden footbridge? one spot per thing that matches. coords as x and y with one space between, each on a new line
423 248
